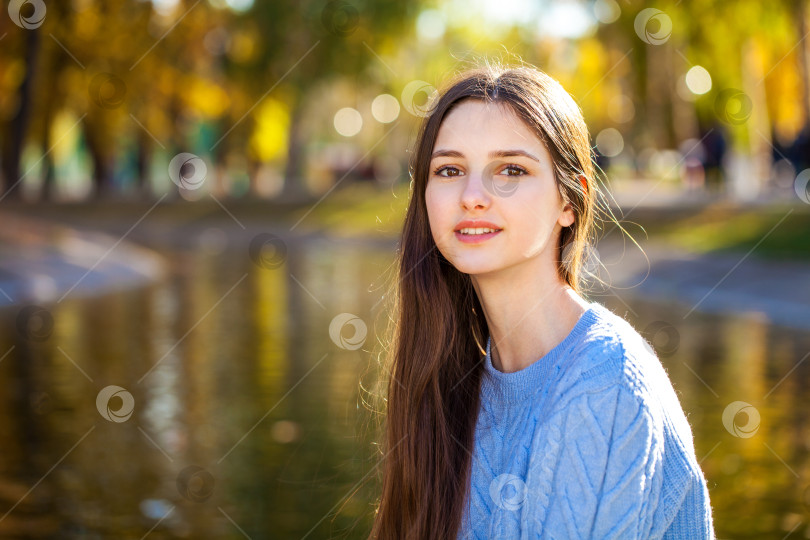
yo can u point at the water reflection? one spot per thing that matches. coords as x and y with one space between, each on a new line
248 420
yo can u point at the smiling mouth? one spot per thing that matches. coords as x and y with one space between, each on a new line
477 231
476 236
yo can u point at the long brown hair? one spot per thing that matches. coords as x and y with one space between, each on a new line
437 325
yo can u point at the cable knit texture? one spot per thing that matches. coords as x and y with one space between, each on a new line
589 441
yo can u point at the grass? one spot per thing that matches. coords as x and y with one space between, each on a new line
360 210
774 232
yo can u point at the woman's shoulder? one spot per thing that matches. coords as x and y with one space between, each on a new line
610 350
615 423
612 353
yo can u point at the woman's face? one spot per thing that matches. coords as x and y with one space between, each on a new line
488 166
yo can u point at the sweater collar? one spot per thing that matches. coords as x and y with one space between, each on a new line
525 383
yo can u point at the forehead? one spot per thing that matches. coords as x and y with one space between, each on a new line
477 125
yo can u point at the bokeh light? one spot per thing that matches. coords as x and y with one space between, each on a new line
430 25
610 142
698 80
385 108
348 122
606 11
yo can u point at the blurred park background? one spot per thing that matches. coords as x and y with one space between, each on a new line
200 203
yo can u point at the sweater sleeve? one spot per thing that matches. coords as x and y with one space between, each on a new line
601 477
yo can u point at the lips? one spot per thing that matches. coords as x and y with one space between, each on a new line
475 238
476 224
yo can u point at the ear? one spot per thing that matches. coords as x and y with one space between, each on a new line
568 217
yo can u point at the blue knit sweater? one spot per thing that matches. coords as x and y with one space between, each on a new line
589 441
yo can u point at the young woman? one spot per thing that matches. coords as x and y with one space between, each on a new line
515 407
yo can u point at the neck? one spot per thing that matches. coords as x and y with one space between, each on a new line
528 314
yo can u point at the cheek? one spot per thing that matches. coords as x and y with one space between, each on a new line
439 204
434 205
532 219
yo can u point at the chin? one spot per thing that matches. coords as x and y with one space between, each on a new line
475 267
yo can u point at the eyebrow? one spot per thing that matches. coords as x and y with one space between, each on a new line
495 154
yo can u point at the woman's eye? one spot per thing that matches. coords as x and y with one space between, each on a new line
514 170
449 170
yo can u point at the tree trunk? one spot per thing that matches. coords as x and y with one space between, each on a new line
18 127
294 186
102 162
657 92
47 174
143 162
684 116
48 177
752 179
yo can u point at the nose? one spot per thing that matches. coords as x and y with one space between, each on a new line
475 196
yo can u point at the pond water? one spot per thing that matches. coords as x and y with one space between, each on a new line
216 404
